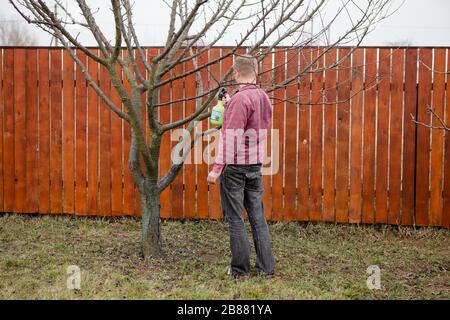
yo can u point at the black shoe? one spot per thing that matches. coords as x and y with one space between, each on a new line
230 272
264 274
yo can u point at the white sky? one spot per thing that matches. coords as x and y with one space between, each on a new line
416 23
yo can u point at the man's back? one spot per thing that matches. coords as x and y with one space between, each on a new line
244 130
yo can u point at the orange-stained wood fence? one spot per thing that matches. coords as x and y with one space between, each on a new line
359 161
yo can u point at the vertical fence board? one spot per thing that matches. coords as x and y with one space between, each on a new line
266 81
437 138
315 203
409 134
382 136
303 135
369 136
80 140
68 133
278 122
56 186
356 136
329 149
446 191
291 136
8 136
44 132
19 130
93 139
343 114
190 165
32 134
395 136
423 137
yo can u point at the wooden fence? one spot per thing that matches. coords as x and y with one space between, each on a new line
360 161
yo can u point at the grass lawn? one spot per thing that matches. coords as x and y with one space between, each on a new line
314 261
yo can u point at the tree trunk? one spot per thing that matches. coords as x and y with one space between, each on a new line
151 231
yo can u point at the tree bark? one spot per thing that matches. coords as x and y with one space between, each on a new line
149 193
151 226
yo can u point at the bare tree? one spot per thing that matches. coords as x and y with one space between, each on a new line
268 24
441 123
435 117
15 34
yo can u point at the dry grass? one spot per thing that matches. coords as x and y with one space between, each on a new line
315 261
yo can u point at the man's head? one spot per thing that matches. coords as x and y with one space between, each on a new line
245 69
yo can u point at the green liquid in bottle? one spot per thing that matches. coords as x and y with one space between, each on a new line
217 114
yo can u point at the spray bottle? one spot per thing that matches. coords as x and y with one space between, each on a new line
218 110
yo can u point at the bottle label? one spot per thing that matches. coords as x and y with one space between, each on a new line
216 115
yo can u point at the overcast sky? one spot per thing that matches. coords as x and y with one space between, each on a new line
416 23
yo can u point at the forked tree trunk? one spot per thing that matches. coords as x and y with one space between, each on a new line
151 227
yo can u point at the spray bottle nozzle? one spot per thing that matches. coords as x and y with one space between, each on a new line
222 93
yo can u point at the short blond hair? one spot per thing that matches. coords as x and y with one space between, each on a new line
246 65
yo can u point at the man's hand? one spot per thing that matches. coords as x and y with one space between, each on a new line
212 177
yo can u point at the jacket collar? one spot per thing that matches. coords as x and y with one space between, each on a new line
244 87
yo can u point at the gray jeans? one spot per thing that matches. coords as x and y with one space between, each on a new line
241 186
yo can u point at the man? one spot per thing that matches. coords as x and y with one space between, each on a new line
238 163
